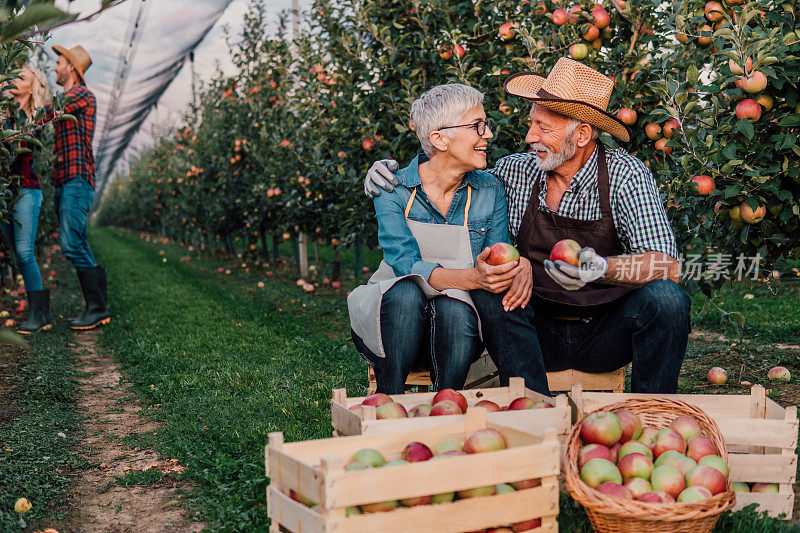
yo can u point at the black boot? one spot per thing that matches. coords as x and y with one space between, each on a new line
38 313
96 314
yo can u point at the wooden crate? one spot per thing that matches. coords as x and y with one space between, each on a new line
482 373
534 421
315 469
607 381
760 436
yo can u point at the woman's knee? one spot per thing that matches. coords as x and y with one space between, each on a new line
404 296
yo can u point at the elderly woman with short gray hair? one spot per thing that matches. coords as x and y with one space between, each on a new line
435 233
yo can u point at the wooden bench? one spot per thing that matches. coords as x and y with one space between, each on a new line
483 373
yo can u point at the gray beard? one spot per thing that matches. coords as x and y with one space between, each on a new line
552 160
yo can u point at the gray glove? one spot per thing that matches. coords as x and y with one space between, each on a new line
379 176
591 267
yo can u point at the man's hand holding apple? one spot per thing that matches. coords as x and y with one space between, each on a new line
590 267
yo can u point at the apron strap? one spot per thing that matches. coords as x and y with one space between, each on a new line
466 209
603 182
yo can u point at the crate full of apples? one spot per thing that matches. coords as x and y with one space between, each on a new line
760 439
467 475
648 461
514 406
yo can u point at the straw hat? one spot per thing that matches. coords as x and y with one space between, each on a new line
574 90
78 58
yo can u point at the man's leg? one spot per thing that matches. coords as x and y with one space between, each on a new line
649 327
454 341
511 339
403 323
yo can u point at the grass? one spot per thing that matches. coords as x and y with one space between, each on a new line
221 363
37 441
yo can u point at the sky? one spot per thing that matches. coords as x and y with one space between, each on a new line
167 28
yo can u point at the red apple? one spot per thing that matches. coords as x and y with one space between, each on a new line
638 486
676 460
634 446
601 17
718 375
715 461
507 31
521 403
670 127
565 250
704 184
667 479
694 494
700 446
770 488
635 465
501 253
631 425
707 477
593 451
656 497
446 407
542 404
599 471
667 439
779 373
445 52
750 216
648 436
389 411
736 68
489 405
653 130
601 427
367 144
452 395
705 40
661 144
748 109
527 525
422 409
615 452
527 484
376 400
459 51
445 446
687 426
416 452
714 11
485 440
590 32
755 82
627 116
560 17
615 489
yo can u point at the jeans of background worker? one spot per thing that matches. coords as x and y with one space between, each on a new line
511 341
20 233
72 202
649 327
443 331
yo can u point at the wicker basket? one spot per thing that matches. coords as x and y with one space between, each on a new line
616 515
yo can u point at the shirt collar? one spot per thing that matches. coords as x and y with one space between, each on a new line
586 175
409 176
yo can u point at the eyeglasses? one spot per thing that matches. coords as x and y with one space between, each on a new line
479 126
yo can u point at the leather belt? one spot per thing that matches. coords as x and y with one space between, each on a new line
566 317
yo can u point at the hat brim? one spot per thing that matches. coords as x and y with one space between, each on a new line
528 85
60 50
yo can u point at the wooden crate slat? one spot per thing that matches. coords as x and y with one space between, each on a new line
774 504
757 468
758 432
713 404
288 471
563 381
459 516
454 473
291 514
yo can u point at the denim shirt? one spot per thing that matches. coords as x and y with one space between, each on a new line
488 217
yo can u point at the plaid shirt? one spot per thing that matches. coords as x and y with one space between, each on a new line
636 205
72 143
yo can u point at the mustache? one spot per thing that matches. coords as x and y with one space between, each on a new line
540 148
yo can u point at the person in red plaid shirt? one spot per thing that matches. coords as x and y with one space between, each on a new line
73 179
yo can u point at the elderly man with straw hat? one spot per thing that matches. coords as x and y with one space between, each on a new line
622 302
73 180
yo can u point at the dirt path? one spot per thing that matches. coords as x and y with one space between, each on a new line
112 410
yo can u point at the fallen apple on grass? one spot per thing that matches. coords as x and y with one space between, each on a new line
779 373
717 376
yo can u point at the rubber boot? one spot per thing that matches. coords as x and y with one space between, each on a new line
96 313
38 313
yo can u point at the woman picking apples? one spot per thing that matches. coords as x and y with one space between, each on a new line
616 300
434 232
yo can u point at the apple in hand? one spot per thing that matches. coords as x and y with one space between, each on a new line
501 253
565 250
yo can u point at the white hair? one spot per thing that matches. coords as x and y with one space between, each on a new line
439 107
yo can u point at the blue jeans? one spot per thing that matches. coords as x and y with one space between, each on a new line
441 332
648 327
72 202
21 236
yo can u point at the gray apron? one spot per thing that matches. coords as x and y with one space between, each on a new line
445 244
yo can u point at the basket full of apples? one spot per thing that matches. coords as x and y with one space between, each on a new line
653 464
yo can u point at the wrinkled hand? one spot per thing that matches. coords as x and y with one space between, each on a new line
494 278
591 267
519 294
379 176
